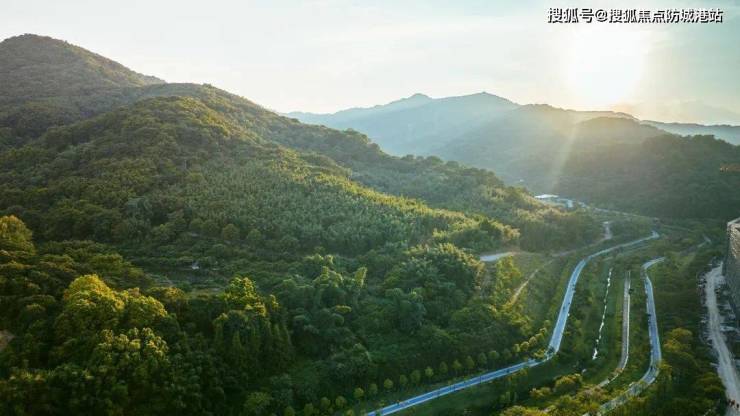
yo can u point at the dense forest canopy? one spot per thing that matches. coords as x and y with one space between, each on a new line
180 239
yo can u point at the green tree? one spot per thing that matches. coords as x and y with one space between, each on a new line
482 360
429 373
257 403
469 363
241 293
309 409
388 384
456 366
230 232
443 369
415 377
15 237
325 403
359 394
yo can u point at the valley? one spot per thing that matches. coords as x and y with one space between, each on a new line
173 248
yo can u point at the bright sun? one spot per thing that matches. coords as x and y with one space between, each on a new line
604 64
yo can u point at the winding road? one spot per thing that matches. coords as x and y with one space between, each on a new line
553 348
655 353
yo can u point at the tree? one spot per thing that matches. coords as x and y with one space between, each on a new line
415 377
241 293
372 390
325 403
493 356
309 410
429 373
540 393
469 363
254 237
567 383
136 359
340 402
482 360
89 306
522 411
443 368
388 384
358 394
14 236
403 381
289 411
230 232
456 366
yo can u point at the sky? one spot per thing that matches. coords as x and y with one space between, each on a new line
327 55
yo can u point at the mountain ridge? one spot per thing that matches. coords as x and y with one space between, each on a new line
33 66
347 154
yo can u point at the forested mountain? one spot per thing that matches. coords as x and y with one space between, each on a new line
730 134
593 156
417 124
423 125
449 186
39 67
665 176
178 239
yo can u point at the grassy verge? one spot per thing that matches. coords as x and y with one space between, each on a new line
541 302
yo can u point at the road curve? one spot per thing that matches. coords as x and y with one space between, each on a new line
557 336
553 347
655 353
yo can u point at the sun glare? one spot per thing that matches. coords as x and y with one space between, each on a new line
604 64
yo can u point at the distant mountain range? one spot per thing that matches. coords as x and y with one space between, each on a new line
541 146
420 124
728 133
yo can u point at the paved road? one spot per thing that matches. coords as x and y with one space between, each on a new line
489 258
726 368
553 348
655 353
557 335
607 236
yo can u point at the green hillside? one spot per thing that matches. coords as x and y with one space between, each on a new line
605 158
178 239
38 67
